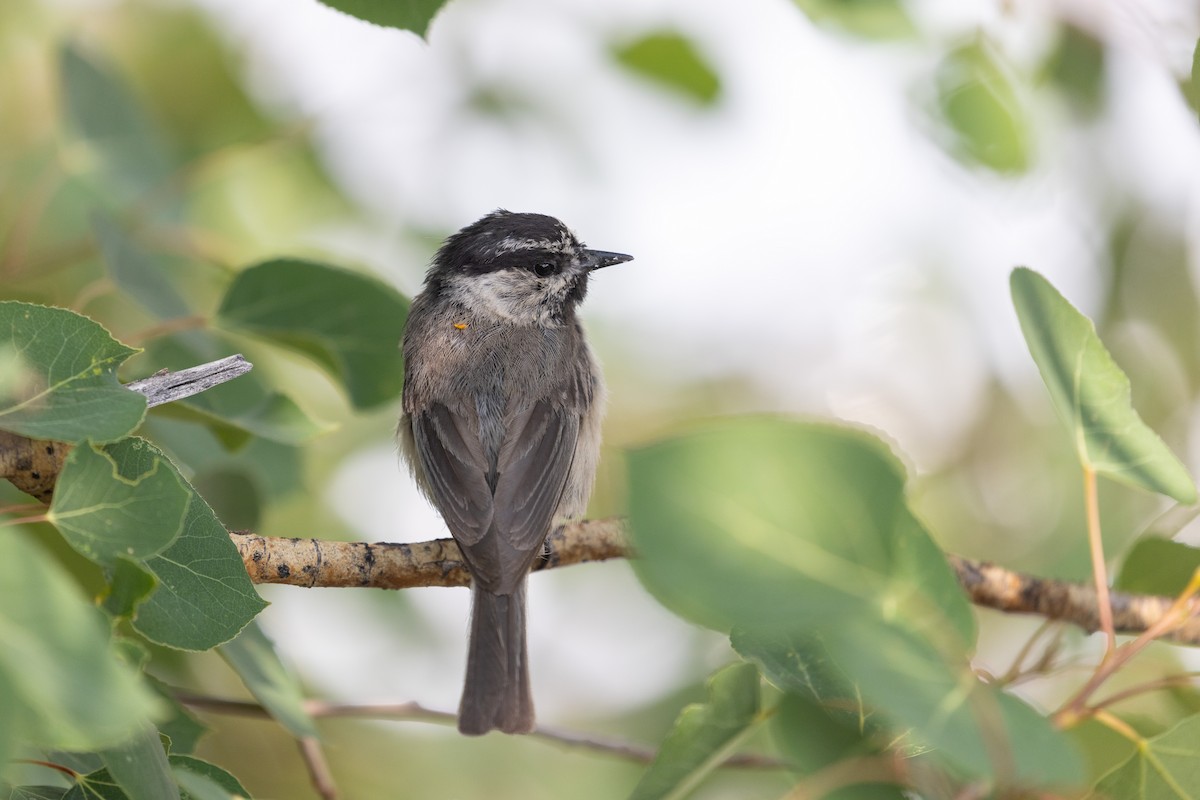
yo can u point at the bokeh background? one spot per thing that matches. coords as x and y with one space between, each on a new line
824 200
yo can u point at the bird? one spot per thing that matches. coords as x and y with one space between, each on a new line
501 424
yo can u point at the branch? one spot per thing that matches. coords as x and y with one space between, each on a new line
415 712
1016 593
323 563
33 465
167 387
314 563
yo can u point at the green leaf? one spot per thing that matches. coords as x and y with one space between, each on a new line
1164 767
129 585
978 730
252 656
236 411
124 499
812 737
875 19
105 112
62 684
801 666
703 735
202 780
178 724
70 389
97 785
1191 87
204 596
981 107
785 526
348 323
1091 394
409 15
1076 66
36 792
235 422
140 767
136 272
1158 566
670 60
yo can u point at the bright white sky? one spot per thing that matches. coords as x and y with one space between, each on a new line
808 233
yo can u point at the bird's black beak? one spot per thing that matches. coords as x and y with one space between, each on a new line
598 259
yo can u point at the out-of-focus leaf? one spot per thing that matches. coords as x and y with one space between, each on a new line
202 780
61 683
1076 67
703 735
347 322
252 656
275 417
800 665
204 596
124 499
237 411
1158 566
875 19
35 792
136 271
409 15
1191 87
97 785
179 724
982 109
811 738
1091 394
69 390
977 729
232 495
140 767
1163 767
105 112
199 779
669 59
778 525
129 585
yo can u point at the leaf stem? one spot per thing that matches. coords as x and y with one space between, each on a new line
1099 571
1117 724
21 520
48 765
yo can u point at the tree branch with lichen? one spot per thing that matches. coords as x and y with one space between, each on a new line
33 467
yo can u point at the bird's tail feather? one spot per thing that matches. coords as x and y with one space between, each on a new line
497 694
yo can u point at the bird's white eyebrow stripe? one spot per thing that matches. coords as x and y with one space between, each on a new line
510 244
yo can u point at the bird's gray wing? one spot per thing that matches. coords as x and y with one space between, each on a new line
456 469
500 532
534 462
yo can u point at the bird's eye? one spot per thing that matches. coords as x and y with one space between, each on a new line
545 269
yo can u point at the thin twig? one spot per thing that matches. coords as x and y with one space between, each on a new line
1166 682
415 712
1099 570
318 768
847 772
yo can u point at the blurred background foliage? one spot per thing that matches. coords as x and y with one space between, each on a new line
144 166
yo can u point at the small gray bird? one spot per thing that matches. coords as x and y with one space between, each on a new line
501 427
